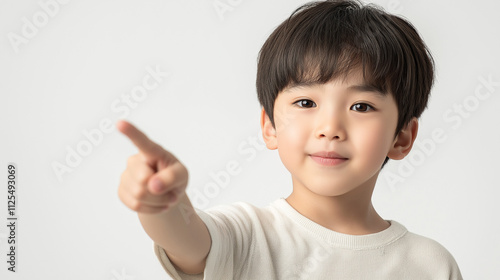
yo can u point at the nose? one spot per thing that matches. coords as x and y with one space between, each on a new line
330 125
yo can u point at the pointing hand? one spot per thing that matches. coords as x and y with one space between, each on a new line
154 179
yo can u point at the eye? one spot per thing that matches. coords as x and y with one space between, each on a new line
361 107
305 103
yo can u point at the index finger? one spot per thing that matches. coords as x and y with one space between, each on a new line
147 147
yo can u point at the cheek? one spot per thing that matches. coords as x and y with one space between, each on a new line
291 138
374 140
289 128
288 138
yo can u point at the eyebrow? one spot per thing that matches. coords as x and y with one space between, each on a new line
300 85
357 88
367 88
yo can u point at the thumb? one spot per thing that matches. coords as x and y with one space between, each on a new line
174 177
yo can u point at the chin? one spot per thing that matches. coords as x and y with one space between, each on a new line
330 189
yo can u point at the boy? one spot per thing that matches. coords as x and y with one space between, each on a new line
342 86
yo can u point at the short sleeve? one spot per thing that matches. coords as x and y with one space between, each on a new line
228 232
171 269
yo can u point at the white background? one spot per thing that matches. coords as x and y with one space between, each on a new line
64 77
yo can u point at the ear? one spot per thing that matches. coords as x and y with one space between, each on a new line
404 140
268 131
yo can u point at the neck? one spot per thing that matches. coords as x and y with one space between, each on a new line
349 213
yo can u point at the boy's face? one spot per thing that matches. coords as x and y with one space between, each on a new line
334 137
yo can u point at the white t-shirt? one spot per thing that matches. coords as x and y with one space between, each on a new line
277 242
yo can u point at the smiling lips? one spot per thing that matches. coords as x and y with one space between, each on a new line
328 158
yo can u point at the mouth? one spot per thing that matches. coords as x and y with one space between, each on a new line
328 158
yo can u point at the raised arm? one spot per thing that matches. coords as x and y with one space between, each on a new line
154 185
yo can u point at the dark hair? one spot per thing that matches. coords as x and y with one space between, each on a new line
321 41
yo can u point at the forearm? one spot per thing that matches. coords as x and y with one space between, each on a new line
180 231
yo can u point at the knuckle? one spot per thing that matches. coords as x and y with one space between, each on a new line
143 178
123 186
121 195
132 159
130 202
123 178
139 192
135 205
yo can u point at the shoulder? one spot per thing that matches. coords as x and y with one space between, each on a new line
425 252
424 246
239 215
240 210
